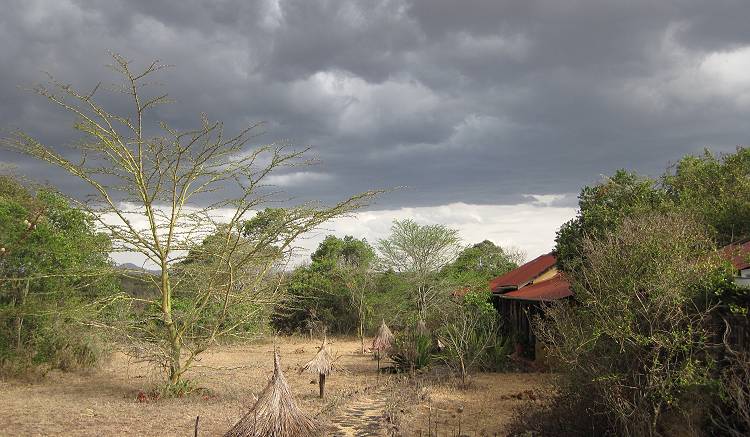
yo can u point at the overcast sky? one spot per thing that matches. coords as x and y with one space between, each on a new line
492 113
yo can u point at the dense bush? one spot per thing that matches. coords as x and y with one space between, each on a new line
732 414
55 279
635 344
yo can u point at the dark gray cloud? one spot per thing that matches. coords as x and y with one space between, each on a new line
471 101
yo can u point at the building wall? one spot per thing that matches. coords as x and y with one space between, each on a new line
517 316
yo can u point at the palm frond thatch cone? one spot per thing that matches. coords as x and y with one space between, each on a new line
275 414
382 341
321 364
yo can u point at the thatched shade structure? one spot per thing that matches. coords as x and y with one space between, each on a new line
321 365
275 414
382 341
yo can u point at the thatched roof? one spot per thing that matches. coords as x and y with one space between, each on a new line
275 414
322 363
383 339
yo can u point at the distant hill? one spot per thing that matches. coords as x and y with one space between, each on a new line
131 266
138 282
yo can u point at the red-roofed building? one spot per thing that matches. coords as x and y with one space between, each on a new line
521 294
729 327
537 268
739 255
543 291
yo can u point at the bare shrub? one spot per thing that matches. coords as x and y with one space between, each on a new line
732 417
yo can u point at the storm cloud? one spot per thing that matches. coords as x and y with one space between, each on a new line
470 102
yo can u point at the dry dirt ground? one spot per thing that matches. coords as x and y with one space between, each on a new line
105 401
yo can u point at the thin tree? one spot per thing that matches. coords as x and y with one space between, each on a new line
467 333
187 186
419 252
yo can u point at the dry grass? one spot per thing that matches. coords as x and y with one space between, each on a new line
485 408
106 401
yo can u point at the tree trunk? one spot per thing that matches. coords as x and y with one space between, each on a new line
175 368
463 373
422 302
362 334
322 384
175 346
19 303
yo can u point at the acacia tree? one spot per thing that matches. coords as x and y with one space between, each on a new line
137 169
419 252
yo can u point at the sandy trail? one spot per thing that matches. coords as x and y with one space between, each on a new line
363 417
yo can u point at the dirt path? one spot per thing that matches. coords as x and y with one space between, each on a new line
106 401
362 417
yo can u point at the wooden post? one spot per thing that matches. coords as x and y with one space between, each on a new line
322 383
378 376
195 433
429 419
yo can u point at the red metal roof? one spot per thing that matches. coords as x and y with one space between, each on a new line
522 275
552 289
738 254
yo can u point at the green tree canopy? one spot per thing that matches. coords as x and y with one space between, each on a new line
716 190
53 265
602 208
333 290
347 252
476 265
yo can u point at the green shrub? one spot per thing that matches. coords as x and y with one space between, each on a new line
471 338
495 357
412 351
